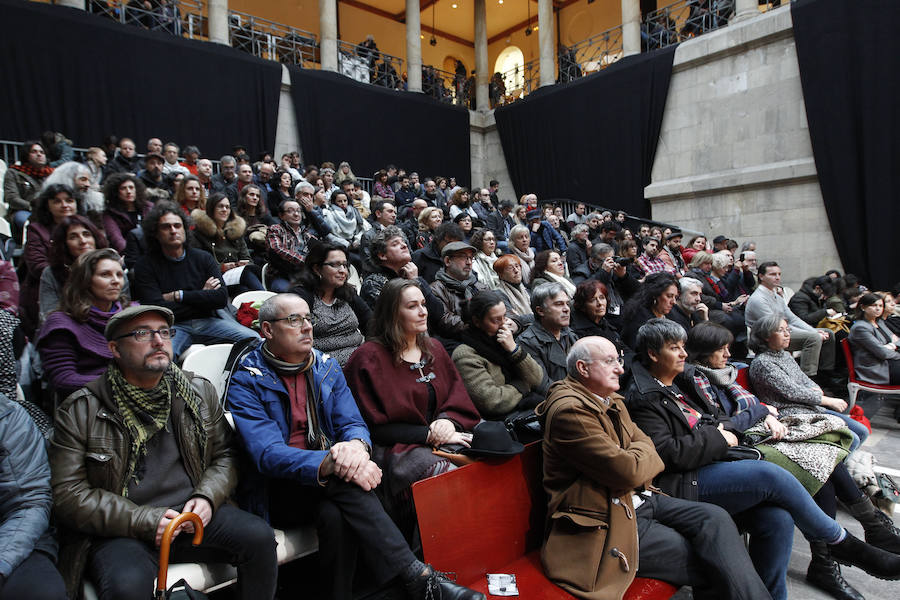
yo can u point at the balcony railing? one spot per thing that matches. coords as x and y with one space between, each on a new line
448 87
182 18
590 55
272 41
517 82
370 65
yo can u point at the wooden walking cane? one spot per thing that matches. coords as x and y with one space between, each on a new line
167 541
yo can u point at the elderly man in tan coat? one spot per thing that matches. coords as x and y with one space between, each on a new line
606 525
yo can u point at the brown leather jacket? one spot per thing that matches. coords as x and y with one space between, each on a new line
594 458
88 459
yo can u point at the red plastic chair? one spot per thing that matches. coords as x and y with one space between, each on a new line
854 384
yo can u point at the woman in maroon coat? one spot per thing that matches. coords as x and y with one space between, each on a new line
408 390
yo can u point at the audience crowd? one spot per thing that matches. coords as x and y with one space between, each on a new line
399 324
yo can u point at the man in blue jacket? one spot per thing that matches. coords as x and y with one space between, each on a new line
300 425
543 236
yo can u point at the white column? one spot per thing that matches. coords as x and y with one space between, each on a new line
328 35
413 46
631 27
79 4
482 75
744 9
545 42
218 22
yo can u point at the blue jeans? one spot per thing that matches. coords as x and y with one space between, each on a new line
771 531
860 432
212 330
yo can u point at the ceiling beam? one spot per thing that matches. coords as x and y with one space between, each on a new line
391 16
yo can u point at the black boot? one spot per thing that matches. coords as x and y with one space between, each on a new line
825 574
880 529
872 560
435 585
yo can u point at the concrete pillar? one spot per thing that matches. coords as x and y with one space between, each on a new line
744 9
631 27
482 70
79 4
328 35
218 22
413 46
545 41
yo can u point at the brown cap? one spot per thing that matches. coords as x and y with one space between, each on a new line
122 317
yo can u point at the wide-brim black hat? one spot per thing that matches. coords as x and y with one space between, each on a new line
490 438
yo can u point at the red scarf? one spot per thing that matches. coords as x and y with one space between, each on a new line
36 172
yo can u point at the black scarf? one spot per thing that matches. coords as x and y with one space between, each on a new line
489 348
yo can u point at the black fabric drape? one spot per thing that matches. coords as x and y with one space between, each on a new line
593 139
86 76
849 55
368 126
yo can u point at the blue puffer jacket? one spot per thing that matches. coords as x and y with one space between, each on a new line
25 496
260 406
547 238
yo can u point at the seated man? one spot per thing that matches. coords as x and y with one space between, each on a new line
132 450
689 308
598 467
186 281
816 346
300 425
289 241
549 338
428 259
27 547
454 284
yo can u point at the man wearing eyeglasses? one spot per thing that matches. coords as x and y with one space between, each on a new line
133 449
598 469
288 242
299 423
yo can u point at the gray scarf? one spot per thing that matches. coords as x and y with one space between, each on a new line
719 377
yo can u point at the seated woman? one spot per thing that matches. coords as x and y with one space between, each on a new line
485 245
875 355
283 184
54 204
520 246
126 207
707 348
500 376
73 237
221 233
459 203
72 344
190 195
409 392
517 297
258 219
589 317
340 314
724 308
655 299
778 380
429 219
692 436
347 225
464 220
550 267
695 244
382 188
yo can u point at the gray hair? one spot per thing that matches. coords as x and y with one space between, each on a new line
654 334
304 185
517 230
227 159
720 260
378 245
66 174
598 249
544 292
595 215
685 284
746 245
578 352
762 330
270 309
580 228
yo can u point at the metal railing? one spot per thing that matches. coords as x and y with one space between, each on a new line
272 41
447 87
370 65
182 18
683 20
590 55
517 82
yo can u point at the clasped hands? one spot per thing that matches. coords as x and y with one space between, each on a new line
350 462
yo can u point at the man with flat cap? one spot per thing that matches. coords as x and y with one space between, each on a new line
454 284
133 449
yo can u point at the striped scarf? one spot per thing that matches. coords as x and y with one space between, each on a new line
146 412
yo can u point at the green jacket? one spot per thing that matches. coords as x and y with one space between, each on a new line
89 457
493 395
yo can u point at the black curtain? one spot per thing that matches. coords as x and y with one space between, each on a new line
87 76
849 55
368 126
593 139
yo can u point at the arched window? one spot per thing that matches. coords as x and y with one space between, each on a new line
510 64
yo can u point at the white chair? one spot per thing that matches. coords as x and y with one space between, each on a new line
209 362
265 276
5 228
251 296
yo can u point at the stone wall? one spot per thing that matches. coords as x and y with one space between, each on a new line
488 161
734 154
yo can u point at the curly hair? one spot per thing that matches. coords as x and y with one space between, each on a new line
180 193
111 192
60 258
151 224
42 204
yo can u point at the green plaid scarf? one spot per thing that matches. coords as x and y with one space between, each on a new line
145 412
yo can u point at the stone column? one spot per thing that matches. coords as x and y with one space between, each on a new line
79 4
744 9
631 27
545 41
482 71
218 22
328 35
413 46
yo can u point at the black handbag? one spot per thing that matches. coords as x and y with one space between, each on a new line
524 426
742 453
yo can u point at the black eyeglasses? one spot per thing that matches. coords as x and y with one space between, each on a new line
296 321
143 335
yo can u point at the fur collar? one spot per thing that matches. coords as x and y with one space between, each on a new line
234 228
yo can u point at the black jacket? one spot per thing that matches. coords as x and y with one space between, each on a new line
806 303
156 275
428 261
683 450
576 255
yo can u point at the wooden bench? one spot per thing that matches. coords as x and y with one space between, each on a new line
488 517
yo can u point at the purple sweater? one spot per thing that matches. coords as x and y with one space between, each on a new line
74 354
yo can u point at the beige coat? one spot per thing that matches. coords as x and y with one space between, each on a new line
493 396
594 458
